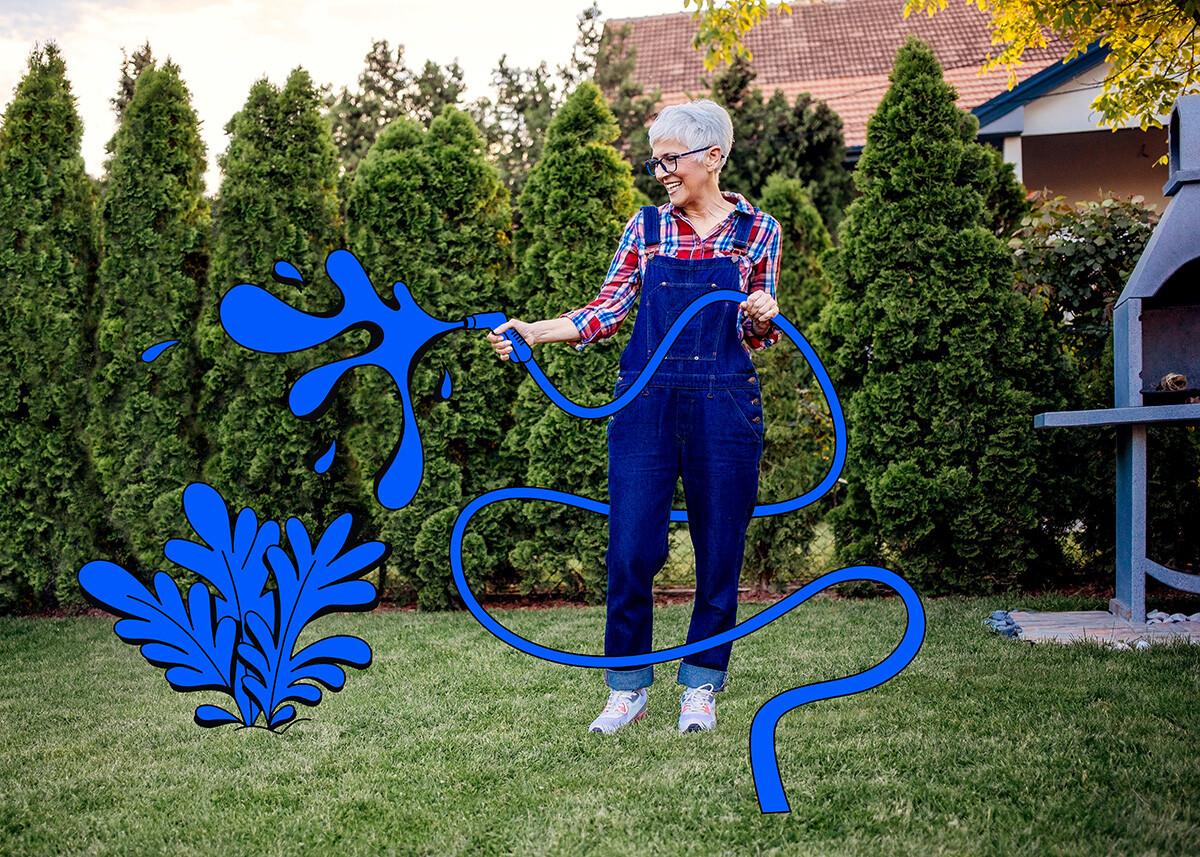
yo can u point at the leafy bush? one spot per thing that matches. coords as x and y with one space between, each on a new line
428 210
155 221
1077 260
278 201
798 445
574 208
940 362
52 518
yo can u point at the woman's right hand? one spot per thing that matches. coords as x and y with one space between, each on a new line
501 344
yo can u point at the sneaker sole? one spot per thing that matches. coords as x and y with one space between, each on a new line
640 715
696 727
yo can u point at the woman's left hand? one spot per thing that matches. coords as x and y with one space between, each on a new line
760 308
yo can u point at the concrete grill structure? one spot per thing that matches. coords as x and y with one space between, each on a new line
1156 333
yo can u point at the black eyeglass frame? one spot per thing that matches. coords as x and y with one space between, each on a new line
653 163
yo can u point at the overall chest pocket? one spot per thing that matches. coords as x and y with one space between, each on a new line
699 341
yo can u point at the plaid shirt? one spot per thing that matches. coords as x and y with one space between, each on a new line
759 269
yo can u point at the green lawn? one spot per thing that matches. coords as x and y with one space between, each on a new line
450 743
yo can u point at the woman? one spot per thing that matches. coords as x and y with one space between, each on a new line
700 418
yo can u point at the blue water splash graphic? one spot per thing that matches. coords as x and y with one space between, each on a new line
152 353
401 332
447 386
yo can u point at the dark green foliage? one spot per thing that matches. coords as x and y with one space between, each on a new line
798 446
574 208
52 517
131 67
278 201
1004 197
428 210
940 363
387 90
1078 260
803 140
155 222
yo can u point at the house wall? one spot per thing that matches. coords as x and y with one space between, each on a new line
1079 166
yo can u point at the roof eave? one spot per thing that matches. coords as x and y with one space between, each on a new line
1037 85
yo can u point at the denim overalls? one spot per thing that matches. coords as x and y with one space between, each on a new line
699 418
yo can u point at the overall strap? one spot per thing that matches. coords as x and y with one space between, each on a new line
741 235
650 236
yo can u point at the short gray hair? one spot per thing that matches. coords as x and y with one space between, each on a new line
696 123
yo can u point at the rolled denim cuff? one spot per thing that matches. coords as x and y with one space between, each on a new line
629 679
694 676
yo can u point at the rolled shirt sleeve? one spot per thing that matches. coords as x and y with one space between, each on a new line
764 276
602 318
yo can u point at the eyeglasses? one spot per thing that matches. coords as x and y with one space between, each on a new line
670 162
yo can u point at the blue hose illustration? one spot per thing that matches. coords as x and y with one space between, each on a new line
401 332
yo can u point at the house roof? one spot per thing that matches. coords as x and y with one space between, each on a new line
839 51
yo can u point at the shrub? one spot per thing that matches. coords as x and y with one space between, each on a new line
574 208
155 224
52 519
940 362
798 445
278 201
428 210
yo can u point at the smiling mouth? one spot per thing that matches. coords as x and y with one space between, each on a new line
670 186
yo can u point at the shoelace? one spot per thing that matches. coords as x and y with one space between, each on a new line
695 698
617 697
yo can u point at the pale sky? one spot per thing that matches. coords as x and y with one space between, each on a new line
223 46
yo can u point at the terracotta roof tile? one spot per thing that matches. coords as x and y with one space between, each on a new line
840 51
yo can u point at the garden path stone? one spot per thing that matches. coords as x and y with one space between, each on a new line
1094 625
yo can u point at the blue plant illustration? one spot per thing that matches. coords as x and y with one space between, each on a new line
240 636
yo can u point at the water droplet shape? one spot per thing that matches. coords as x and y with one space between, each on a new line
447 386
325 460
285 272
154 351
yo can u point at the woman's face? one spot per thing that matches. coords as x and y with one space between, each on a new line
691 177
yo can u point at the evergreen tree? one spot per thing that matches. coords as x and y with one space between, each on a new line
940 363
278 201
428 210
574 208
131 67
155 225
514 127
632 106
387 90
52 514
802 140
798 445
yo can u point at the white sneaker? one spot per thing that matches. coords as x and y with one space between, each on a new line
623 707
698 709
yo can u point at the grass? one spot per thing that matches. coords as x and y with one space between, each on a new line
450 743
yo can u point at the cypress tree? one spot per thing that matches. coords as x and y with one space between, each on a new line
428 210
155 225
941 364
278 201
799 433
52 512
573 210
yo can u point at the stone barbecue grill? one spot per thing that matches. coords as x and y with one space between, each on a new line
1156 334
